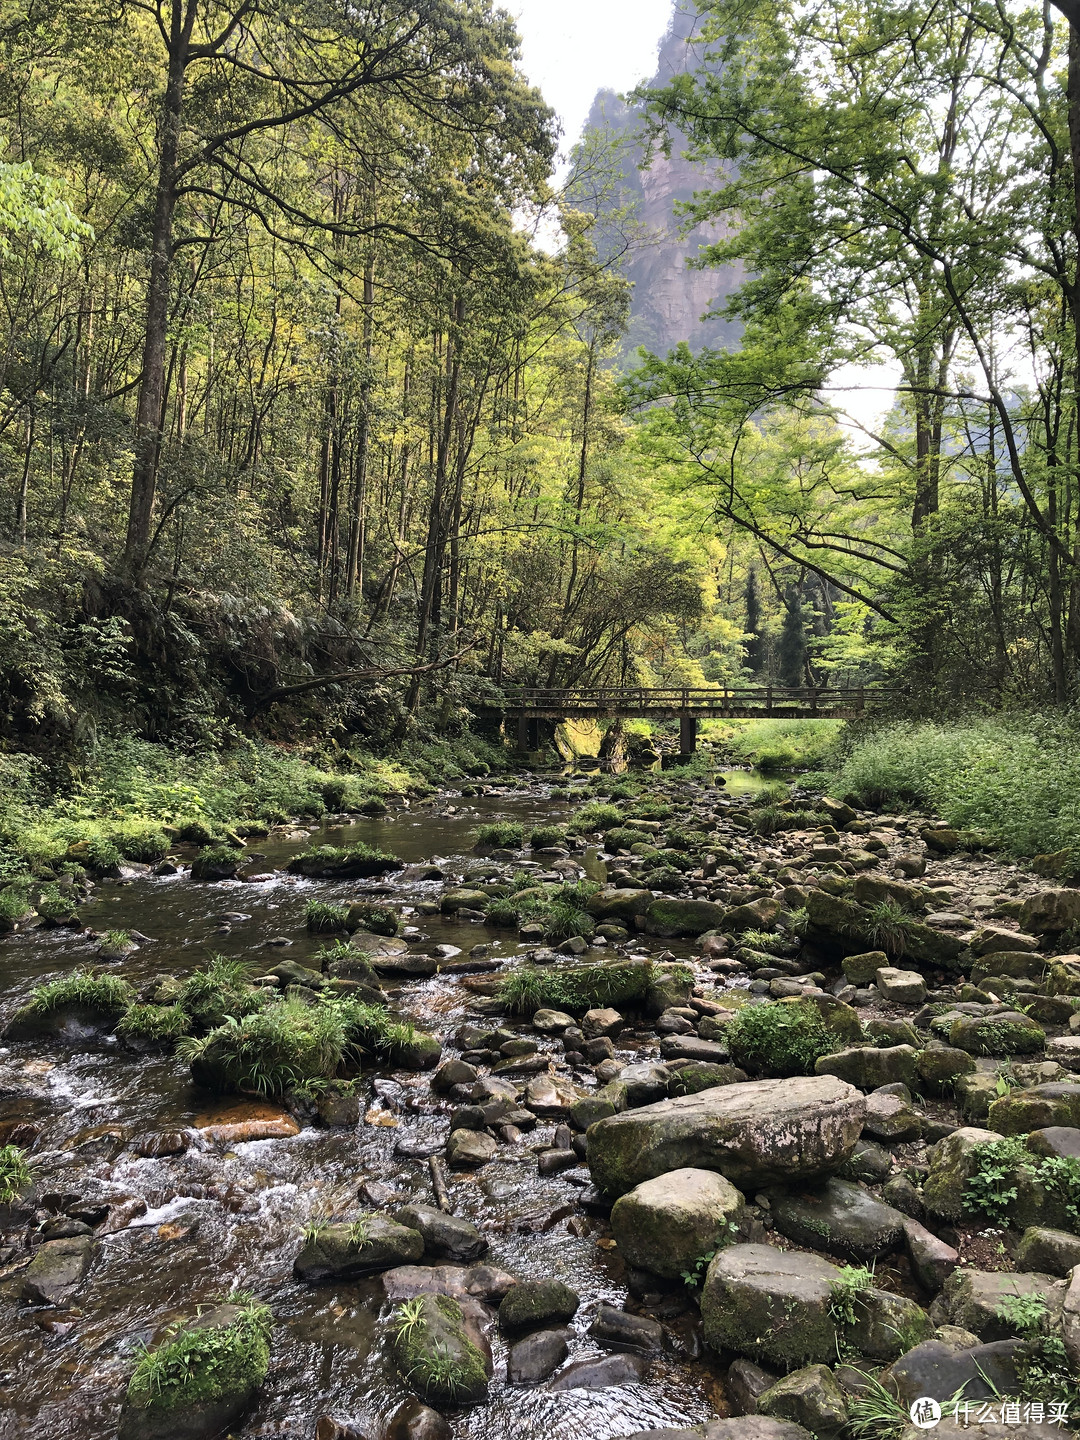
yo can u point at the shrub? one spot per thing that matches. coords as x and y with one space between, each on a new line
546 836
529 988
200 1366
374 1028
55 905
223 989
270 1051
14 905
357 862
503 835
136 840
778 1039
14 1172
102 854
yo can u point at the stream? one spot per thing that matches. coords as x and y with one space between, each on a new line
186 1228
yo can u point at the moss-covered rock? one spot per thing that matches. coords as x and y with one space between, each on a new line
771 1305
1035 1108
868 1066
536 1303
199 1380
372 1243
781 1038
440 1351
666 1225
953 1161
861 969
1007 1033
682 917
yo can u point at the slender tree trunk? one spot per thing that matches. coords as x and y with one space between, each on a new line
148 414
1071 656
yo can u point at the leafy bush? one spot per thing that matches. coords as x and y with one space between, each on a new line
546 836
778 1039
219 991
14 1172
594 816
530 988
502 914
502 834
199 1366
14 905
1015 778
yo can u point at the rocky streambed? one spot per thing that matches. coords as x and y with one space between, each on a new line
714 1114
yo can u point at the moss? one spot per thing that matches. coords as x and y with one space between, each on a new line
778 1039
594 817
503 835
434 1353
197 1366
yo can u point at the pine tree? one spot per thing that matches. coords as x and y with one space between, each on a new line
791 648
755 644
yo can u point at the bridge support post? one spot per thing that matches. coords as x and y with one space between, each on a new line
687 734
528 733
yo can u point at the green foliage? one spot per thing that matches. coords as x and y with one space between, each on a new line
991 1188
14 1172
271 1051
875 1413
886 926
693 1277
14 905
773 745
779 1038
502 834
426 1364
1016 778
323 919
82 987
379 919
771 820
1043 1367
845 1292
115 939
1059 1175
331 859
221 990
529 988
374 1029
198 1366
594 817
156 1024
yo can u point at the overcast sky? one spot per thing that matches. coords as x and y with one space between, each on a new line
572 48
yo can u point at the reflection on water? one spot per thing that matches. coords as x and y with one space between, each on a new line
184 1228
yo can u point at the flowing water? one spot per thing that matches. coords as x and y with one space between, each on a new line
184 1229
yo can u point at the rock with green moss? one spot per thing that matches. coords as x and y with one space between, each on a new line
757 1133
1006 1033
201 1379
809 1397
939 1067
986 1301
868 1067
534 1304
1035 1108
1050 912
771 1305
670 985
1017 964
79 1007
953 1161
670 918
666 1225
861 969
698 1075
217 862
441 1351
780 1038
624 905
369 1245
57 1270
841 1218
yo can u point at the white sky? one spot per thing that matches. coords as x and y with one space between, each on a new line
572 48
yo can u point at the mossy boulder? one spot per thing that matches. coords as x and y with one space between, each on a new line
940 1066
327 862
1050 912
219 862
1035 1108
809 1397
665 1225
625 905
771 1305
463 899
841 1218
867 1066
861 969
953 1161
1007 1033
368 1246
671 918
757 1133
669 985
199 1381
57 1270
534 1304
440 1350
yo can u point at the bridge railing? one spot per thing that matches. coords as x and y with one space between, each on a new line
637 697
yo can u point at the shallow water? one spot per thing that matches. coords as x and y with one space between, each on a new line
187 1228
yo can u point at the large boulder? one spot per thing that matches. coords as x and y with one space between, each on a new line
981 1300
669 917
941 1371
619 904
665 1225
344 1252
771 1304
1051 911
57 1270
953 1161
1036 1108
441 1351
757 1133
868 1067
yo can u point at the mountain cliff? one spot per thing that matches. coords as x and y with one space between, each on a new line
669 298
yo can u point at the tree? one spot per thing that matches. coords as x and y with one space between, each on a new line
754 656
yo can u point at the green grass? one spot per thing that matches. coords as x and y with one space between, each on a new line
115 939
772 745
529 988
778 1039
271 1051
14 905
503 835
886 926
82 987
194 1367
593 817
546 836
325 919
1014 778
222 989
14 1172
771 820
373 1029
155 1024
331 859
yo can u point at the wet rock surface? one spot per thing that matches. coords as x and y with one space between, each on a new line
557 1206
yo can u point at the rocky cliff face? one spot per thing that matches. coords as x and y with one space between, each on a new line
669 298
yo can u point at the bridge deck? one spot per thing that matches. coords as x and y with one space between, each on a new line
673 703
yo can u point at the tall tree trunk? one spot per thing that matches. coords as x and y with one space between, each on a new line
148 413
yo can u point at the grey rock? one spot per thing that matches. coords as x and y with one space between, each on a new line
619 1330
664 1225
841 1218
446 1237
536 1357
621 1369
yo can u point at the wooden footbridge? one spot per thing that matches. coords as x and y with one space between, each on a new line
526 707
